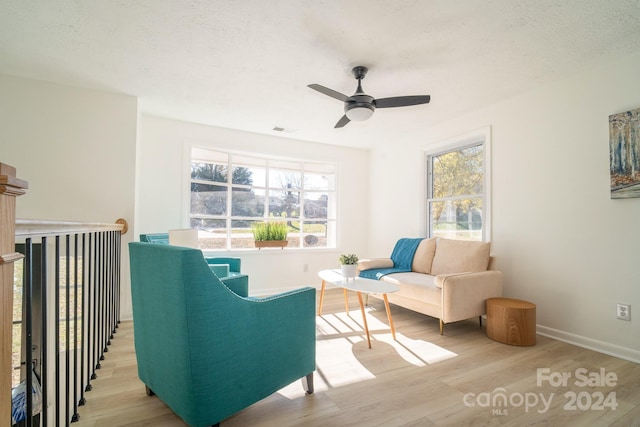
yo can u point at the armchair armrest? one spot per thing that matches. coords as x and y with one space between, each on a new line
233 263
220 270
464 295
370 264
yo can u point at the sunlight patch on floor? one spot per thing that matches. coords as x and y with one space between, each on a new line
416 352
341 350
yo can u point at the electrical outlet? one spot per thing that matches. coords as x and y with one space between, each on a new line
623 311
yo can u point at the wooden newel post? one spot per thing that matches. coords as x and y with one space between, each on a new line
10 188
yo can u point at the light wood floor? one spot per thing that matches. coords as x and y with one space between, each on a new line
422 379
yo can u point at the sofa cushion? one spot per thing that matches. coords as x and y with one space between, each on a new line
423 257
417 286
460 256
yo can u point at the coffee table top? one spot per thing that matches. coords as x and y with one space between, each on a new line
358 284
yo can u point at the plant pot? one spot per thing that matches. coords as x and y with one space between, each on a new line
271 244
349 271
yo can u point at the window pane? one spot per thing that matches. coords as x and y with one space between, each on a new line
241 235
313 181
284 204
244 176
212 233
458 173
279 179
208 156
249 171
314 234
208 199
208 172
285 164
247 202
457 219
315 205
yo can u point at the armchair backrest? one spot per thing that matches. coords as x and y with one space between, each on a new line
173 291
196 340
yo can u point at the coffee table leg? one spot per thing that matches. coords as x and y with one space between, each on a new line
386 305
321 298
364 317
346 300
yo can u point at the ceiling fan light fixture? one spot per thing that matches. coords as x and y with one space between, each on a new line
359 113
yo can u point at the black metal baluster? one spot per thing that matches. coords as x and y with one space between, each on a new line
67 327
85 330
44 383
57 327
105 289
94 306
76 416
28 324
100 307
118 270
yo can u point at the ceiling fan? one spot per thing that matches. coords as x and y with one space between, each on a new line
360 106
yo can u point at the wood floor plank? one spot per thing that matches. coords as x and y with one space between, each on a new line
421 379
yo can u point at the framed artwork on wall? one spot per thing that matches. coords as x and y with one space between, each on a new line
624 154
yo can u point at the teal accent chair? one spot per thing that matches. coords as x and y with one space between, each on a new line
204 350
226 268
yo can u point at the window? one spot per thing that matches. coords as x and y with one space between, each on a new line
230 192
457 192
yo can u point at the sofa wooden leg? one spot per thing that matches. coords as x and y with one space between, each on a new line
441 327
307 383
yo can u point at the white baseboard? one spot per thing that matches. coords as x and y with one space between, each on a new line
591 344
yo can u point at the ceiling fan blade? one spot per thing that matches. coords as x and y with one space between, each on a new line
342 122
329 92
402 101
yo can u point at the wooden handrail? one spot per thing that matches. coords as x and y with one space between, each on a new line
39 227
10 188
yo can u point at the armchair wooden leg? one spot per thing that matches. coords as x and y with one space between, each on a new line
307 383
480 319
441 327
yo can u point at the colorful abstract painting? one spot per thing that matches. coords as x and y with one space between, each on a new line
624 154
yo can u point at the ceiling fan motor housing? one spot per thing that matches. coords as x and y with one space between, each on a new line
359 107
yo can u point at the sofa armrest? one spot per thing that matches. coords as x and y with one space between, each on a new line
370 264
464 295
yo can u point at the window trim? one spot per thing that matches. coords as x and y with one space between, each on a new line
185 220
475 137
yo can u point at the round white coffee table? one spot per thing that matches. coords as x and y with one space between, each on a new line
360 285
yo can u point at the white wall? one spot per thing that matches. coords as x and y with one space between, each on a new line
76 149
558 237
161 190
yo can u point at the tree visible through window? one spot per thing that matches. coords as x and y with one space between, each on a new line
225 205
455 193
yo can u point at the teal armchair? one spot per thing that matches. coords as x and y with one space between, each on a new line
226 268
204 350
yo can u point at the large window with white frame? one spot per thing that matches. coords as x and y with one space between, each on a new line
457 191
231 191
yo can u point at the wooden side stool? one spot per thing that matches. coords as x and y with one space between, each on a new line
511 321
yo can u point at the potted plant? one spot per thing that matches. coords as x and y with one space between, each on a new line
349 265
270 234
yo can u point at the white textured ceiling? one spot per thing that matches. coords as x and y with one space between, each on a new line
245 64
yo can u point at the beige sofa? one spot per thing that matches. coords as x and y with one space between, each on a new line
449 279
